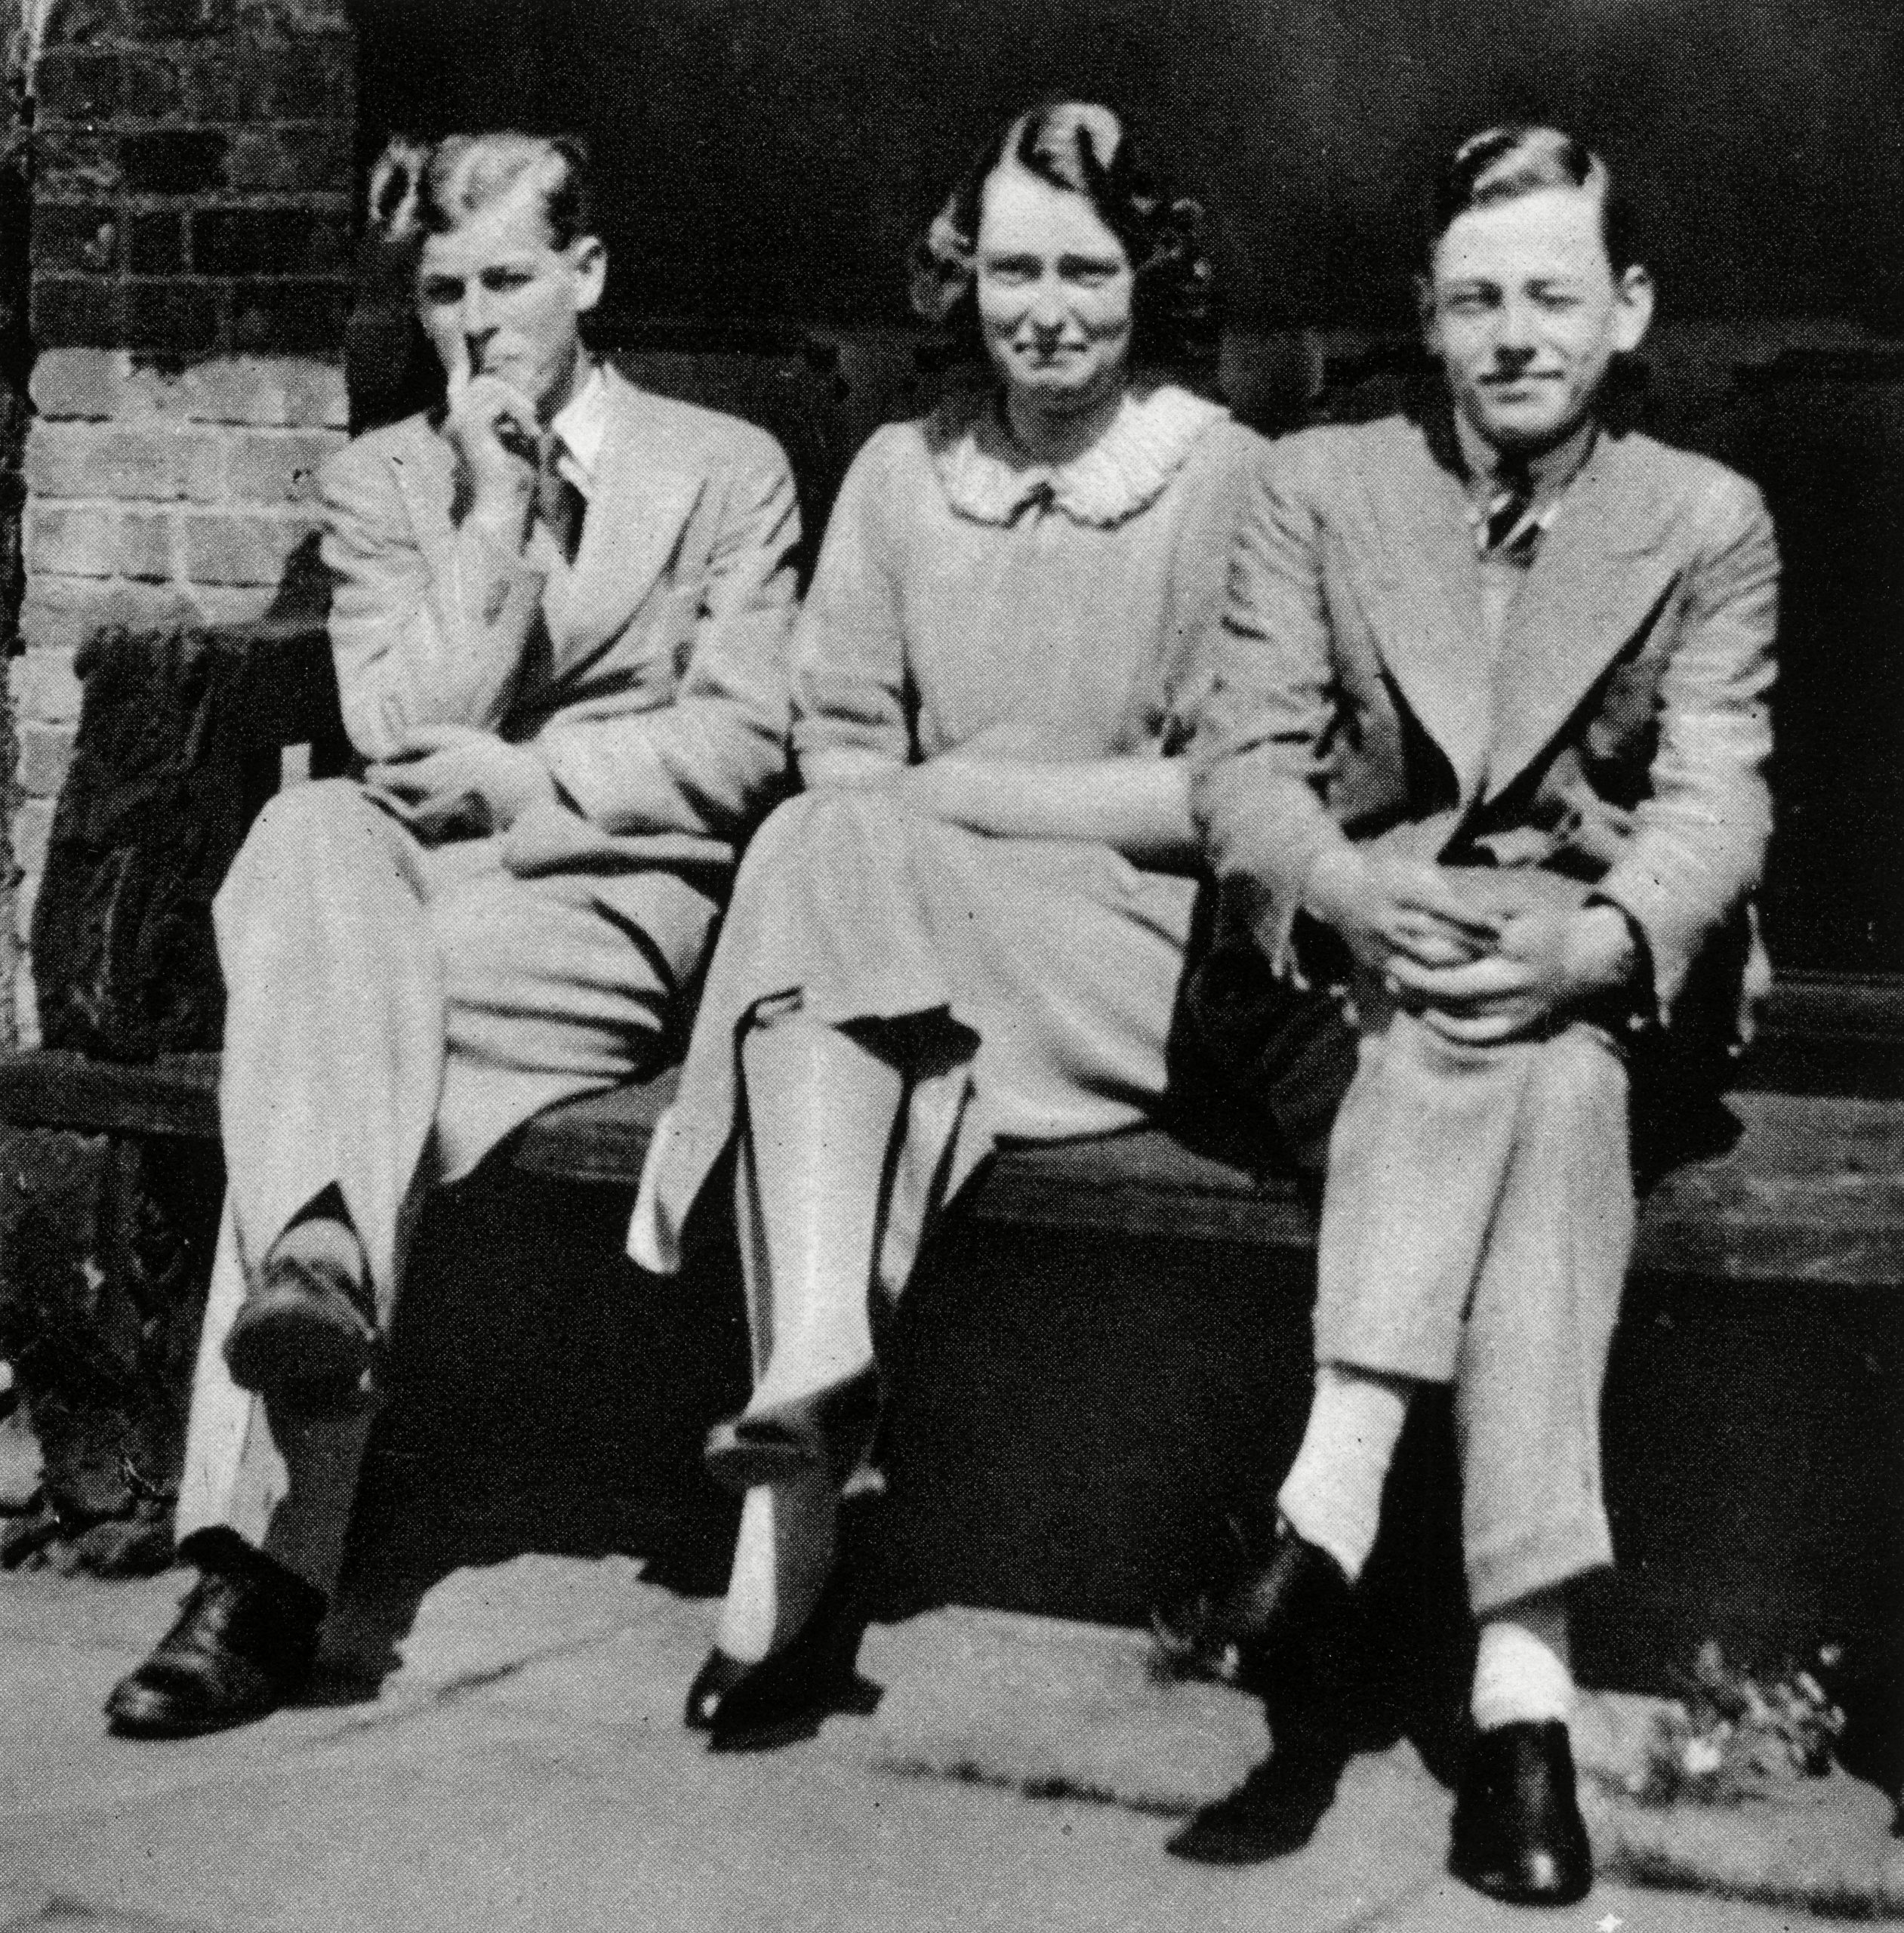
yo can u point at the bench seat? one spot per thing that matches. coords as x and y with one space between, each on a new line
1813 1192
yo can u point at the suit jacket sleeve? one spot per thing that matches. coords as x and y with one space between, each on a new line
417 639
705 762
1697 845
1267 706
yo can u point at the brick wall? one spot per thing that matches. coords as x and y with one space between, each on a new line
190 276
15 361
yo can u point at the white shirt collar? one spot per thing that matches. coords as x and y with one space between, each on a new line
579 426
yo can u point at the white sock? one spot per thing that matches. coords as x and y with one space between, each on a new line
1332 1494
1524 1674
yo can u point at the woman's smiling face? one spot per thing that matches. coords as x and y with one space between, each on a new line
1055 293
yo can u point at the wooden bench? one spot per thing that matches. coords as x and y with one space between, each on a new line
1812 1191
1748 1429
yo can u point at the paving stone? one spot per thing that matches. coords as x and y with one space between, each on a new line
525 1766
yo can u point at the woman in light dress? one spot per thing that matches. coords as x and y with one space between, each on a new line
969 928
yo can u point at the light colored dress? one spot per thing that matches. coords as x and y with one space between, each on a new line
967 600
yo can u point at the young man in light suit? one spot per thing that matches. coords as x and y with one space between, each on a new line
559 611
1481 775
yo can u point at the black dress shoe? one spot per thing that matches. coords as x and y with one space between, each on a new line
788 1693
1276 1810
718 1675
1518 1835
244 1642
1273 1627
302 1327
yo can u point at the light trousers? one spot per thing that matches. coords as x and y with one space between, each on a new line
393 1010
1477 1222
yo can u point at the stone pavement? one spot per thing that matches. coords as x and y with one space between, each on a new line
524 1766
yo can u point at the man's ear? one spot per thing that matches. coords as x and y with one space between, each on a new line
1633 309
588 262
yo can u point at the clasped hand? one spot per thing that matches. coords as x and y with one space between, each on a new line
1476 975
448 779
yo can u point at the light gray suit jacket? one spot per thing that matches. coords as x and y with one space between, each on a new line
1620 738
650 677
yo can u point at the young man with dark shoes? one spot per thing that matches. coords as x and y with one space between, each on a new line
1479 771
558 615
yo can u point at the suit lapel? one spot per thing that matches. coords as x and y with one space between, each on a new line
634 522
1419 563
1598 573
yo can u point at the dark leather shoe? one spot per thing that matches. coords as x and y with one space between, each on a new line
1518 1835
304 1327
244 1642
787 1695
1273 1627
1276 1810
718 1675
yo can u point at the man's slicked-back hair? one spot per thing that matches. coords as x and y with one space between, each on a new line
419 189
1503 164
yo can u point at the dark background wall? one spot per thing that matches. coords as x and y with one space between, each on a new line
764 167
778 158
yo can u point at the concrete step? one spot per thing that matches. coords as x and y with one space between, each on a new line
594 1659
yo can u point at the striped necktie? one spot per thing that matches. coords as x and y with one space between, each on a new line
1507 524
1510 527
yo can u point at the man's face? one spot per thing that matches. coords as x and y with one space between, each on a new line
498 298
1525 315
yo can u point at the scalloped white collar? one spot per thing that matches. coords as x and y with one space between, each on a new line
987 477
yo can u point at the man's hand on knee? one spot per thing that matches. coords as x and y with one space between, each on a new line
1393 910
1546 962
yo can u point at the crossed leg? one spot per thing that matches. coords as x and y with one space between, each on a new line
393 1011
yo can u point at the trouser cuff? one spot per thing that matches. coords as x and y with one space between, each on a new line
1417 1359
1502 1572
219 1549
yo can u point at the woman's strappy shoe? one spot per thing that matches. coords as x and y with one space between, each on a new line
831 1430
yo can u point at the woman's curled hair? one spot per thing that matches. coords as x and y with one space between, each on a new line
1087 149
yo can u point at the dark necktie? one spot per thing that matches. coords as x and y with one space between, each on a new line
1514 496
559 501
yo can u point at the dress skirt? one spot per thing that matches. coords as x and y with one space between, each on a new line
1055 961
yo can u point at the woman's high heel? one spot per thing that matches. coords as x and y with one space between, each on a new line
718 1675
831 1430
787 1694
